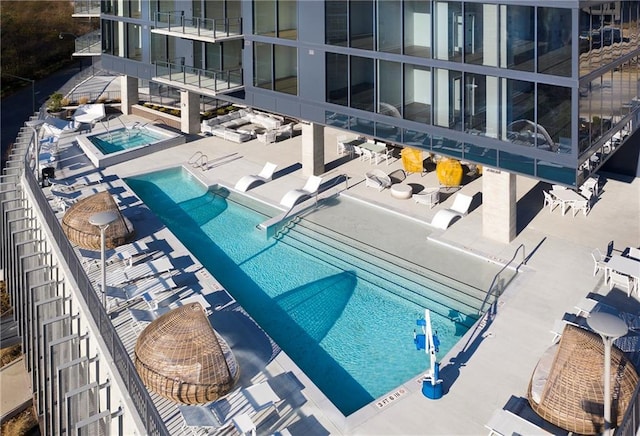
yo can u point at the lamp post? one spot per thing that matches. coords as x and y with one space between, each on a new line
609 327
34 125
102 220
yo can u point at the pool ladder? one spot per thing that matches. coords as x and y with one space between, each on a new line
115 117
199 160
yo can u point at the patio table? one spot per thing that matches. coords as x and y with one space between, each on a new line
566 197
624 265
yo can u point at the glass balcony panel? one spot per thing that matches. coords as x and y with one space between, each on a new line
387 131
487 156
447 146
337 120
517 163
556 173
418 139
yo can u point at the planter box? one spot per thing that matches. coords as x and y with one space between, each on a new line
156 116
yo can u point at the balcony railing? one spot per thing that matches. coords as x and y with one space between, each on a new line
86 7
89 44
197 78
206 27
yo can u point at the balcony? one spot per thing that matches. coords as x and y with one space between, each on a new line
198 80
89 44
86 8
202 29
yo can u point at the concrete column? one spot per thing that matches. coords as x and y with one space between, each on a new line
312 149
189 112
498 205
128 93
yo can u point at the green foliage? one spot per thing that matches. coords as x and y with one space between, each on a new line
29 33
54 104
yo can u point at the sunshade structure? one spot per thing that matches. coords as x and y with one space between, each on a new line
567 387
180 356
81 232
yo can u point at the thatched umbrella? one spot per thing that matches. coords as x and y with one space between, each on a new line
80 231
180 356
567 390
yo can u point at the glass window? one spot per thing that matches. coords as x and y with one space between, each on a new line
336 22
361 24
231 54
417 93
158 46
417 28
447 146
518 112
449 31
387 131
481 34
554 41
517 40
389 89
362 125
262 65
212 57
286 69
475 104
556 173
337 76
134 42
483 155
415 138
390 26
288 19
362 83
264 17
448 98
517 163
554 114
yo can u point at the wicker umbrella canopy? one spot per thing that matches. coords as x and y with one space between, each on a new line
569 392
80 231
180 356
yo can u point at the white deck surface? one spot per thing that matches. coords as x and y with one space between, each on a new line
493 365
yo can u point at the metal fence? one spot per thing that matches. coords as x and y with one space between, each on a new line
12 185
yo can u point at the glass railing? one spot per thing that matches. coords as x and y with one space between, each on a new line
195 26
216 81
86 7
89 43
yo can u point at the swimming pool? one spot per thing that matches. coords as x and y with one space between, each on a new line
350 329
125 143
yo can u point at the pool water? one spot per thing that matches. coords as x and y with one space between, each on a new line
353 337
123 139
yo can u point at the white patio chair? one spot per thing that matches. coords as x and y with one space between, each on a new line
621 281
379 156
581 205
599 262
367 155
550 201
377 179
357 150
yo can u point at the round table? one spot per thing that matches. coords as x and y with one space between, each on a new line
401 191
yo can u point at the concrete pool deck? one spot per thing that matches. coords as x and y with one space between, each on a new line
495 364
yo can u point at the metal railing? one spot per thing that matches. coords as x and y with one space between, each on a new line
497 290
631 419
140 397
210 27
89 43
86 7
216 81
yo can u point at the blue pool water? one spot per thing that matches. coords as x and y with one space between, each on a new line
123 139
351 335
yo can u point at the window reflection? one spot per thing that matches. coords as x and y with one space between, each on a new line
449 31
337 76
362 83
361 24
390 26
481 34
336 22
448 98
554 41
389 89
518 50
554 114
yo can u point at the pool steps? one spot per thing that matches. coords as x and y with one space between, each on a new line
443 295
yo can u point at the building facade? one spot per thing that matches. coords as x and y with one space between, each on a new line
547 89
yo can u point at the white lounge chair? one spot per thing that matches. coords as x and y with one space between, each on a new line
57 127
198 418
89 113
156 285
294 196
377 179
445 217
137 272
247 182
